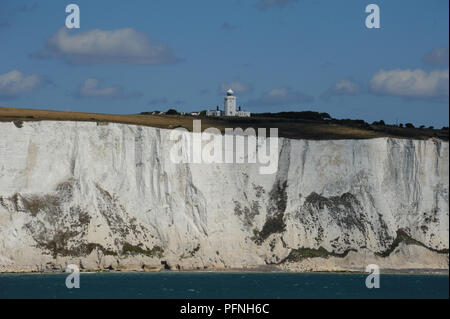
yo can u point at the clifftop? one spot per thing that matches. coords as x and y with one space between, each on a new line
288 126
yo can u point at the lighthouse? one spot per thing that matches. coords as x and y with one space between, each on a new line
229 107
230 103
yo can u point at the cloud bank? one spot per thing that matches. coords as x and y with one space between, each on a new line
15 83
92 88
411 84
238 87
122 46
342 87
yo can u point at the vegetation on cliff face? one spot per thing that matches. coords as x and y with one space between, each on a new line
297 255
59 246
300 254
275 220
247 214
346 209
156 251
403 237
60 228
192 252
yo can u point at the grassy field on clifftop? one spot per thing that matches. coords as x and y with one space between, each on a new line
287 127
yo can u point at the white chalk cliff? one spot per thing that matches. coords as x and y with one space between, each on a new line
109 196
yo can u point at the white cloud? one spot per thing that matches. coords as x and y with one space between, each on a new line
91 88
411 83
346 87
122 46
237 86
342 87
282 97
437 57
15 83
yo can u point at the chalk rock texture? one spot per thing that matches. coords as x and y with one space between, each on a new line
109 196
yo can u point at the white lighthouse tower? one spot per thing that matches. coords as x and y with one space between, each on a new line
230 103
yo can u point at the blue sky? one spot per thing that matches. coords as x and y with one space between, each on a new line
278 55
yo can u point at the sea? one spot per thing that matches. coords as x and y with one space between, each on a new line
192 285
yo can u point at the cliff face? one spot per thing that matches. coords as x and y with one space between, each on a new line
109 195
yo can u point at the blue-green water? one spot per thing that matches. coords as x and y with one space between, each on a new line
222 285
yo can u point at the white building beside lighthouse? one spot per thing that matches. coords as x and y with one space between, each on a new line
229 105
